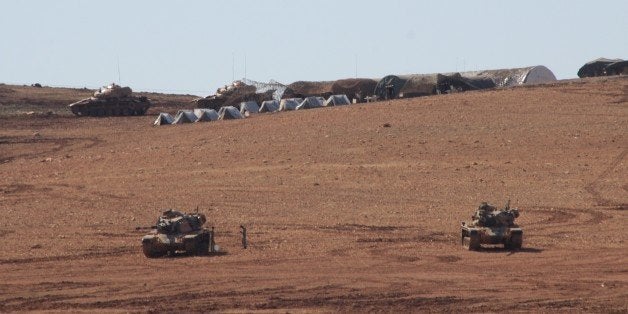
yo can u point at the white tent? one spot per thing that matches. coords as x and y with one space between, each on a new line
229 112
269 106
205 115
249 107
184 116
163 118
311 103
538 75
289 104
337 100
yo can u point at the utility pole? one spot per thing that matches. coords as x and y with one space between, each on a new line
232 66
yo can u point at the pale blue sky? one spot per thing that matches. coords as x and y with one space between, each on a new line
188 46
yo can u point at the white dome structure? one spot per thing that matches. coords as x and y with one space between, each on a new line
519 76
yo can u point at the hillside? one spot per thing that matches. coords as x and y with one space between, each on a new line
17 100
354 208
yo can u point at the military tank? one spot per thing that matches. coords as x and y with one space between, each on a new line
111 100
234 94
177 232
492 226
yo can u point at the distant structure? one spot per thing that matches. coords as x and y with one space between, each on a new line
356 89
304 89
603 67
241 91
360 90
414 85
519 76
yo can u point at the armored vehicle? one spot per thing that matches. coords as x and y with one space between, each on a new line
112 100
492 226
179 232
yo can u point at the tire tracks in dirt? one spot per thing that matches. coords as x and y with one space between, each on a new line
565 217
53 190
63 258
59 144
329 297
592 189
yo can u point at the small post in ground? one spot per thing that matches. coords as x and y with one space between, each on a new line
243 231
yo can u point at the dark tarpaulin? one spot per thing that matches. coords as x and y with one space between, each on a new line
419 85
596 67
354 88
617 68
457 82
390 86
303 89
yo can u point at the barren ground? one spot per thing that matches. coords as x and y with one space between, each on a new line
353 208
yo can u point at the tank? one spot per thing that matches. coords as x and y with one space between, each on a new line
210 102
177 232
492 226
233 95
112 100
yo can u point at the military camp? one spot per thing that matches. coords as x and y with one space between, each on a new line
313 157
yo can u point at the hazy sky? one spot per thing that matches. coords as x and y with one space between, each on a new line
190 46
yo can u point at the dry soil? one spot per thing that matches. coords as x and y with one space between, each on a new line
353 208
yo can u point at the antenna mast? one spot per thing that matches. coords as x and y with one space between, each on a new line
119 80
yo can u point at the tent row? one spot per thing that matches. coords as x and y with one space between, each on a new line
248 108
198 115
251 107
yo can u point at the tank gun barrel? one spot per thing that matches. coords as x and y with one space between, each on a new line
146 227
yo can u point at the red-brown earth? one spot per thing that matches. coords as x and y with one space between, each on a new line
353 208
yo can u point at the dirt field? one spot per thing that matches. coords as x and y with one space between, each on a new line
16 100
353 208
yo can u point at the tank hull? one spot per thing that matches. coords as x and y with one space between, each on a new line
474 237
97 107
199 243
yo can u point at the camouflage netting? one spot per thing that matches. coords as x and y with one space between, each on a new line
357 88
303 89
457 82
261 87
419 85
236 98
239 91
430 84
